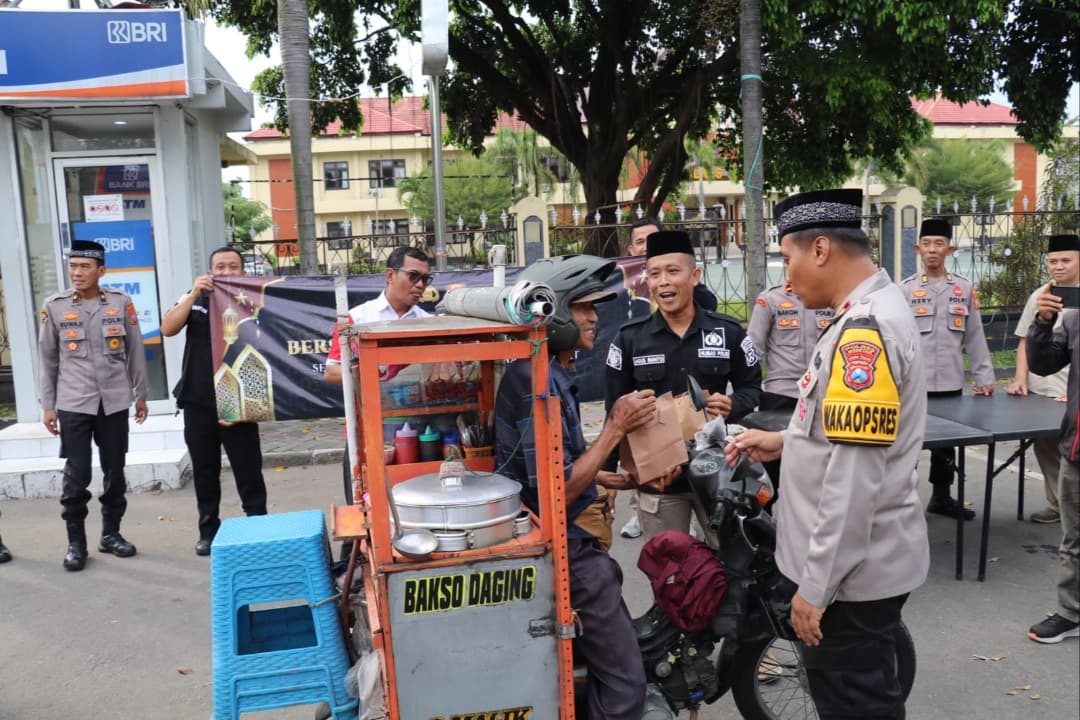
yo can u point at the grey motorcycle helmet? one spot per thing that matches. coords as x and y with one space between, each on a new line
572 277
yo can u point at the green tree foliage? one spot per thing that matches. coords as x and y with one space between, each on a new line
243 217
1040 55
957 170
474 184
600 80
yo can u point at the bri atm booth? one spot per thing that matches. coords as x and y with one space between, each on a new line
121 139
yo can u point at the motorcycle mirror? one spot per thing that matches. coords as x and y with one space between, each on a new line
698 398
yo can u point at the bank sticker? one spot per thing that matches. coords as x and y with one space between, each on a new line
519 713
862 402
614 357
442 593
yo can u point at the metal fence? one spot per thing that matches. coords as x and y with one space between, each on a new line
721 247
465 248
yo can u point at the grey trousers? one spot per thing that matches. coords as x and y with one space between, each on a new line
671 511
1069 552
1048 455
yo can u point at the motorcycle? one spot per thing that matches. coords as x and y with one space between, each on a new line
749 647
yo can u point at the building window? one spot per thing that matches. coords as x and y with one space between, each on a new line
336 175
392 232
385 173
337 235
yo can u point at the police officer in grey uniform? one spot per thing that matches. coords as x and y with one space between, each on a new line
946 311
784 333
851 533
91 359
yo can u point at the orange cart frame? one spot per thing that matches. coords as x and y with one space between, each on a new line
435 340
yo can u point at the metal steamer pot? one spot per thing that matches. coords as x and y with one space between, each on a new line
479 512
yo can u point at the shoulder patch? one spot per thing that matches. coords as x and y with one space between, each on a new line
761 301
44 316
749 351
614 357
862 401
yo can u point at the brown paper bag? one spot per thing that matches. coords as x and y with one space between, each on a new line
690 420
650 451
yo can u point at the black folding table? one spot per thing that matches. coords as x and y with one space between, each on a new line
1005 417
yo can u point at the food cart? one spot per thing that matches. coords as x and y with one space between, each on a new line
481 627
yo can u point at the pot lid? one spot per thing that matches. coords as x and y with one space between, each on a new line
476 488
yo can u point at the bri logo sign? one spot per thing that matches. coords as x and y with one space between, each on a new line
126 32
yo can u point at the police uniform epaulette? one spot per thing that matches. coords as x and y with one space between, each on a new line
911 278
112 290
778 286
63 294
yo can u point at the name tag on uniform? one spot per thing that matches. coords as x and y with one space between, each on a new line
862 402
642 360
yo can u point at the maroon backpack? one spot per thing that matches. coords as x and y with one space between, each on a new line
688 581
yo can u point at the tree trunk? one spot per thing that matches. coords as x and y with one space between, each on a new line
753 152
296 68
599 184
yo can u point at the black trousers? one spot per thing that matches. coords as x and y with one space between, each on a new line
943 460
205 438
852 672
110 434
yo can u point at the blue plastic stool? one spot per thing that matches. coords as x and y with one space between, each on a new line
277 638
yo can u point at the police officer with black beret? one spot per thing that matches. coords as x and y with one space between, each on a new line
92 357
658 352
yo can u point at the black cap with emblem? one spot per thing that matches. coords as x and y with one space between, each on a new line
668 241
819 209
1063 243
88 249
936 227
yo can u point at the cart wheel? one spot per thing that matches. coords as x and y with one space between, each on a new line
323 711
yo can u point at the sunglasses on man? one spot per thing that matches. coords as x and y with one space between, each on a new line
415 277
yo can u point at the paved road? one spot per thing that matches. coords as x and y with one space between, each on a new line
109 642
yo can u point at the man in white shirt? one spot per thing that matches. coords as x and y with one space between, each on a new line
1064 265
408 274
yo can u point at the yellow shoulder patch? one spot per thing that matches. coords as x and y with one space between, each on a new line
862 402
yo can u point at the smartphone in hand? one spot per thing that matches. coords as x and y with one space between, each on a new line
1070 296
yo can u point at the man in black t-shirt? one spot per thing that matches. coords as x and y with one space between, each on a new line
204 433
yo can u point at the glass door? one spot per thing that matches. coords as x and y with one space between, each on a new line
111 201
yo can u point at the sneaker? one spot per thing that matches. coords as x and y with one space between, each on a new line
632 528
1054 629
1046 516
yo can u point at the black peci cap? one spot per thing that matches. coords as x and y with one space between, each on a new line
88 249
936 227
819 209
1063 243
668 241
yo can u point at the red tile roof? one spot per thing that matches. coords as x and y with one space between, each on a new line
407 116
945 112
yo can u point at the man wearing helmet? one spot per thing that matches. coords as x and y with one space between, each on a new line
608 644
658 352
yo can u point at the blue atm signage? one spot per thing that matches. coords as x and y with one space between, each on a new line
92 54
129 266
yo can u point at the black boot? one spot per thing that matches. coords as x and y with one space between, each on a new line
5 554
115 544
75 559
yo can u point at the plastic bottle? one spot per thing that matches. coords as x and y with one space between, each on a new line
451 439
406 446
430 445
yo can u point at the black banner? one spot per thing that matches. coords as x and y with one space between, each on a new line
270 336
